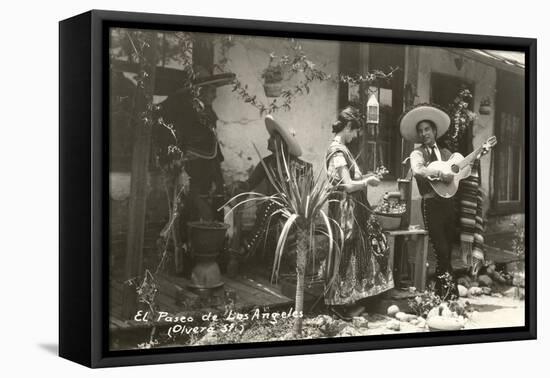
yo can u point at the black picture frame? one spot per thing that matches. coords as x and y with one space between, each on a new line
83 196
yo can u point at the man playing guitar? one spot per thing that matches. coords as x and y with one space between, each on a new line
424 124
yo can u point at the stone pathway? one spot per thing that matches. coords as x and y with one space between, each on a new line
488 312
493 312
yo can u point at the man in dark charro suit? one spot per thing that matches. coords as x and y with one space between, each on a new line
424 124
195 128
281 141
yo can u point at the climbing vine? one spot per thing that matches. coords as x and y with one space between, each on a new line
461 119
131 46
291 65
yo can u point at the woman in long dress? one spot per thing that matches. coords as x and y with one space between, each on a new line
361 268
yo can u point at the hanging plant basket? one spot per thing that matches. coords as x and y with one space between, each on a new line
273 80
485 106
273 89
485 109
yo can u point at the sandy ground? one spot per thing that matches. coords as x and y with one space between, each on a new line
488 312
484 311
494 312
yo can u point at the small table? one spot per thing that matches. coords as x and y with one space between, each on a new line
420 239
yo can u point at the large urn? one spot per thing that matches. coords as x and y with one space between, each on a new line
207 242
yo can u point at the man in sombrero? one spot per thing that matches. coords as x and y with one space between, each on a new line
423 125
281 141
194 121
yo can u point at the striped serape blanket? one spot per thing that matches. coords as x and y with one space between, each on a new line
472 226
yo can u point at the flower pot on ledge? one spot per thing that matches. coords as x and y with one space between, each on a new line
389 221
273 89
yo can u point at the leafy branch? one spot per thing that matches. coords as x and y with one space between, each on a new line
294 64
461 118
368 78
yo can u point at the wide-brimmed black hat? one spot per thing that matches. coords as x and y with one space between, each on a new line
203 77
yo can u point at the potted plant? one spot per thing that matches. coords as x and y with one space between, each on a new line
301 200
273 78
207 241
485 106
390 212
207 238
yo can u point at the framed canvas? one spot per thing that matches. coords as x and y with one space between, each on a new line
236 188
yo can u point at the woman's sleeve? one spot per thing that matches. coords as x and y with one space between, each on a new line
417 163
336 161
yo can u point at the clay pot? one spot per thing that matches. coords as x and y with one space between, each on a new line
207 238
389 221
485 109
273 89
207 241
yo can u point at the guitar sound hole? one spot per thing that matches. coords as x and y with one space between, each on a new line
455 168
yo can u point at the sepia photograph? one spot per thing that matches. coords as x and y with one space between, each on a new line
268 189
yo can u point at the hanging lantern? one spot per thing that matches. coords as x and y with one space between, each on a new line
373 110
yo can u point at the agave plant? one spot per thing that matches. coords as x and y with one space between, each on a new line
300 199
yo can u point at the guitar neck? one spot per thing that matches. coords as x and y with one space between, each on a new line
470 158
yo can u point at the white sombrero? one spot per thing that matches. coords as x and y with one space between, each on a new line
273 126
411 118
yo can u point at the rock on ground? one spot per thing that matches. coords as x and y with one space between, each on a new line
394 325
404 317
462 291
392 310
485 280
360 322
474 291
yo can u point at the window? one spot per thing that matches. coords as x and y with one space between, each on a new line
443 91
509 153
379 144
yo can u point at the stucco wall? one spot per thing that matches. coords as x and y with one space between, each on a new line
484 78
427 61
241 125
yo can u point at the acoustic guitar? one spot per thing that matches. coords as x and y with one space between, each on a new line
459 166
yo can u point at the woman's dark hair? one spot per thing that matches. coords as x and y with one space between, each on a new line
348 114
